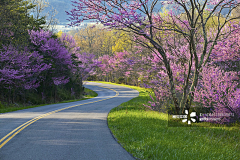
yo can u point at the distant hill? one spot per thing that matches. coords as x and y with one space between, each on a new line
66 5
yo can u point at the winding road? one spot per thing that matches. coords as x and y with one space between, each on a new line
65 131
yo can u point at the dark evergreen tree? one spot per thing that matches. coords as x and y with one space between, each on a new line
16 21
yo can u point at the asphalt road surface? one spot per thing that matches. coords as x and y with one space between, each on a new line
66 131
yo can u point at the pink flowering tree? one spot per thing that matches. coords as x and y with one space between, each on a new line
219 91
106 67
87 65
188 21
119 67
218 86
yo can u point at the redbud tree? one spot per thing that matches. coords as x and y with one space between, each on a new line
118 66
188 20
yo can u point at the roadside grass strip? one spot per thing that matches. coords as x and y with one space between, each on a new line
90 94
146 135
14 132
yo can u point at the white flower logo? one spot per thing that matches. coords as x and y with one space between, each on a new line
193 114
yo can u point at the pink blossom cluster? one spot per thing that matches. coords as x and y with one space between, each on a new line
121 64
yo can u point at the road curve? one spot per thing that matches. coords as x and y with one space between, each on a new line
66 131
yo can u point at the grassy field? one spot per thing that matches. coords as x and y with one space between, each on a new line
146 135
90 94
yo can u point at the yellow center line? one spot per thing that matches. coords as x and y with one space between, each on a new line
14 132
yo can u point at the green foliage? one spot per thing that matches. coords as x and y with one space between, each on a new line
33 98
1 105
120 80
64 94
100 41
128 80
59 34
122 41
92 78
89 93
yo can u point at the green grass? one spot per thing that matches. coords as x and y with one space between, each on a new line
146 135
90 94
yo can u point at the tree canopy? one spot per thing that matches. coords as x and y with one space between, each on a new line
16 21
192 26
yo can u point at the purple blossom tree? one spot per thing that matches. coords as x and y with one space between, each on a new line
188 22
20 69
54 53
